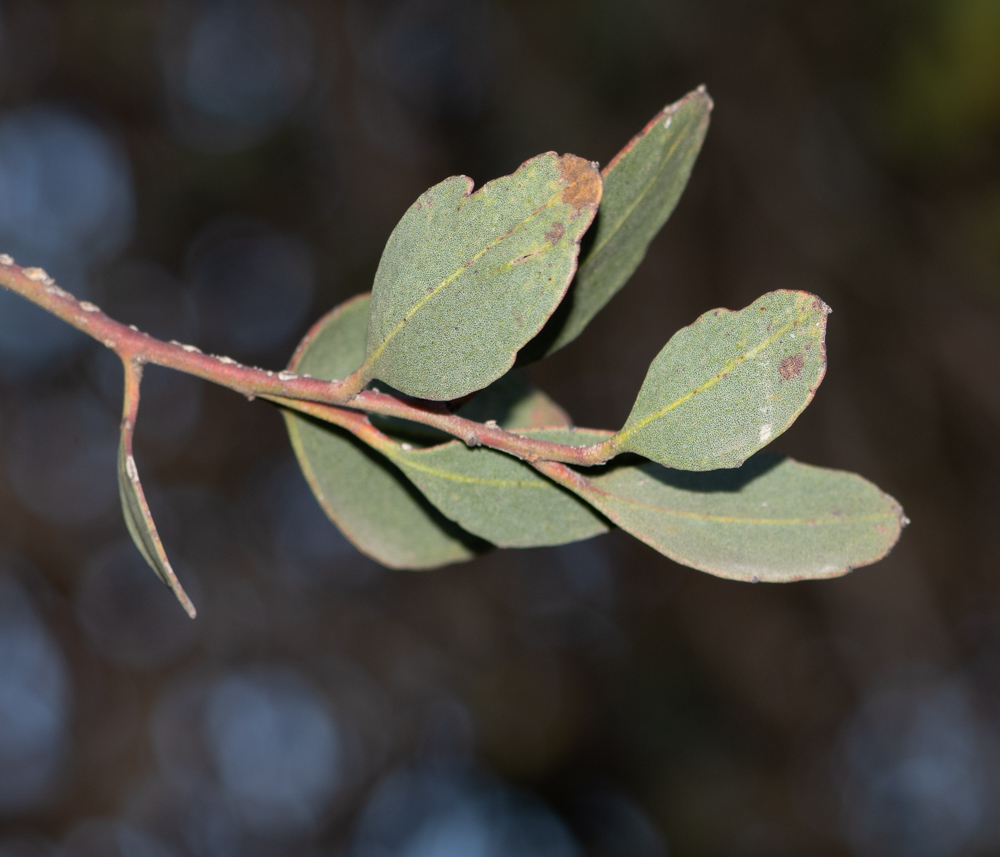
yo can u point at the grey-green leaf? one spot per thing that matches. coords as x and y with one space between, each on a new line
135 509
366 497
497 497
467 279
730 383
772 520
641 188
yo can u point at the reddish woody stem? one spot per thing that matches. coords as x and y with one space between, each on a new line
134 346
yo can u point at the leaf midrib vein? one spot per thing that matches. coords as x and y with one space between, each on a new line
451 476
628 212
732 519
458 271
628 431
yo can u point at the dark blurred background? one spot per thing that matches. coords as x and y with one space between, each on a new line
225 171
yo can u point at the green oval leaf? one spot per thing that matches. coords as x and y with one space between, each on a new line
729 384
773 520
467 279
642 186
371 502
497 497
135 509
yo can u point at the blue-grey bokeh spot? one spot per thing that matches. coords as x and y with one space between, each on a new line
275 746
66 201
450 813
34 697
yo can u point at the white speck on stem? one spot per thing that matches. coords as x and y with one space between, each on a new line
5 259
667 123
37 274
408 447
765 432
87 306
287 376
131 469
133 327
227 360
490 424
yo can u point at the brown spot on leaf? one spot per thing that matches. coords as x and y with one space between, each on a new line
583 182
555 233
791 366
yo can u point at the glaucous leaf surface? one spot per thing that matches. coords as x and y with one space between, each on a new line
496 496
641 188
730 383
772 520
135 510
467 279
371 502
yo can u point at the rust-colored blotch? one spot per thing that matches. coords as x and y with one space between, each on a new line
583 182
791 366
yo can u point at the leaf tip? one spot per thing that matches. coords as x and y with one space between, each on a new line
702 91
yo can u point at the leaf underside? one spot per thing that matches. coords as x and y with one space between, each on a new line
642 185
497 497
727 385
370 501
466 279
772 520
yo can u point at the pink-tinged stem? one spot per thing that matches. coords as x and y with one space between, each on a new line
132 345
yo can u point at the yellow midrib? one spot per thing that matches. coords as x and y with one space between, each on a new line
451 476
627 432
451 278
628 212
732 519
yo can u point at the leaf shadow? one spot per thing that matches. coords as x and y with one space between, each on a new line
538 347
728 480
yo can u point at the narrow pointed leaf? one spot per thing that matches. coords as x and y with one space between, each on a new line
135 509
772 520
467 279
363 494
641 188
730 383
497 497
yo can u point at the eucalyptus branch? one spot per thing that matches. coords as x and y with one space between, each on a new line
467 283
137 347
